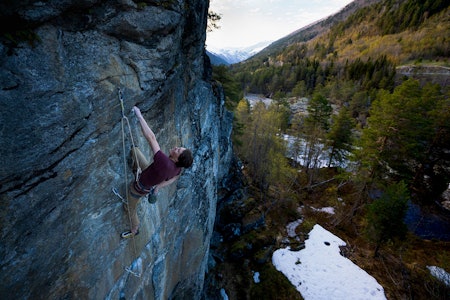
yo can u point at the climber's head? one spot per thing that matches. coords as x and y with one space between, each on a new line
181 156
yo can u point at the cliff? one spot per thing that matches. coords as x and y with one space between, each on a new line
62 64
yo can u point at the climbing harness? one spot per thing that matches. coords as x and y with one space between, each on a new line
138 172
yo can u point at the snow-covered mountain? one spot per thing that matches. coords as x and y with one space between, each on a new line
235 54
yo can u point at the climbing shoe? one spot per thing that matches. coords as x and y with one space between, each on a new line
128 234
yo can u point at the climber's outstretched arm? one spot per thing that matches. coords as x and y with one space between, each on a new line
148 133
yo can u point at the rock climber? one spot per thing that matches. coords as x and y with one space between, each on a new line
163 171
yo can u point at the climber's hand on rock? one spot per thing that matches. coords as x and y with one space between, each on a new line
137 111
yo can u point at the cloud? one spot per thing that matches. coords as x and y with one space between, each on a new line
248 22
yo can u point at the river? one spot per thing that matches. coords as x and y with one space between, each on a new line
428 222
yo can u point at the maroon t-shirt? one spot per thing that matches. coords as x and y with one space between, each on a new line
162 169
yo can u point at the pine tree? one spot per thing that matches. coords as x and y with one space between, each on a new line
339 138
401 128
314 130
385 215
231 87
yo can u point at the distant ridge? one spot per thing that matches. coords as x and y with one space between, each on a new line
367 41
232 55
216 60
312 30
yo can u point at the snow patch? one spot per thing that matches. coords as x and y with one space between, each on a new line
440 274
234 55
329 210
290 228
320 272
256 277
223 294
255 98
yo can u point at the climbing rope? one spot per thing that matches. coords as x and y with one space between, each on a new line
138 172
124 117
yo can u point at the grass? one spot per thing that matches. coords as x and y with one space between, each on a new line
274 285
401 267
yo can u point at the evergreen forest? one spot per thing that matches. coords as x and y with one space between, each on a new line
372 138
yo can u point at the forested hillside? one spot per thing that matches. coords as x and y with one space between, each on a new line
379 36
353 66
360 137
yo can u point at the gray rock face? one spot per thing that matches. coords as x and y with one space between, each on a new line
62 151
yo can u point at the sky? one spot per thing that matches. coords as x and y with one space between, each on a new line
248 22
